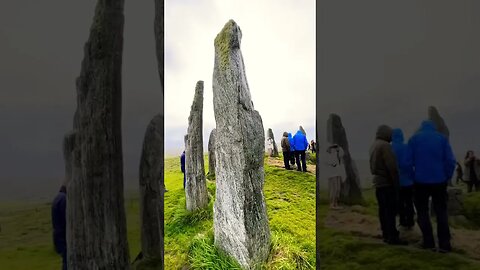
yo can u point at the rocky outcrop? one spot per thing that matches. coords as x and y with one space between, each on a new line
196 185
351 191
211 155
240 217
96 223
273 151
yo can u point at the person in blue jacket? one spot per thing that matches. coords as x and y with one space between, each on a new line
59 224
433 162
300 143
182 167
405 198
292 149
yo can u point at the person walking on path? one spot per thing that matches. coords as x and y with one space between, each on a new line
383 166
405 199
472 171
433 162
59 224
286 150
182 167
335 172
300 143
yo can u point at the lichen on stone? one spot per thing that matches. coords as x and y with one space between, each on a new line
222 44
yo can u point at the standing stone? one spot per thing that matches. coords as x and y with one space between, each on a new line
435 117
211 155
96 223
240 217
270 137
68 147
158 26
351 192
151 190
196 185
302 130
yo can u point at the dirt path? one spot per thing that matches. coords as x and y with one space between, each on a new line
277 162
352 220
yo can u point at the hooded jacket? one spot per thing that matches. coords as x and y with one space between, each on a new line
300 141
335 162
290 140
59 221
285 143
383 164
431 155
401 153
182 162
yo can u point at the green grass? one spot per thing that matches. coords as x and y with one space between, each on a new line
290 199
472 207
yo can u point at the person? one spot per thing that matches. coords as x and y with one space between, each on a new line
182 167
59 224
286 150
405 198
335 172
472 171
292 149
312 146
459 172
300 143
383 166
433 162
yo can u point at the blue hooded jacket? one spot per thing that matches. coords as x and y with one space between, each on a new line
290 140
182 162
300 141
401 153
431 155
59 221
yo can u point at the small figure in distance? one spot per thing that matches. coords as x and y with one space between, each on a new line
292 149
336 173
300 143
59 224
459 172
285 143
182 167
383 166
472 171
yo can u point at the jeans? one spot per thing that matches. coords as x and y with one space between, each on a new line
301 155
291 154
64 260
439 195
387 210
286 160
184 180
405 209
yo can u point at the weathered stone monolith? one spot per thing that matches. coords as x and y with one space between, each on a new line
211 155
351 192
273 152
196 185
96 223
240 216
151 190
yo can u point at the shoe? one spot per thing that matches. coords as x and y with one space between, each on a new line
446 249
421 245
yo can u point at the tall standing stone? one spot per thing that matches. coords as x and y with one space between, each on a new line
435 117
351 192
240 216
96 223
271 138
196 185
211 155
151 190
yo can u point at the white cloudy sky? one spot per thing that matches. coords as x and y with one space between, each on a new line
278 48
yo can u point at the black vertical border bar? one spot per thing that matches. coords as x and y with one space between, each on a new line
317 169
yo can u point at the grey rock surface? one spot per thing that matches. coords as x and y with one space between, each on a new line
96 223
351 192
240 218
196 185
158 26
211 155
151 190
271 138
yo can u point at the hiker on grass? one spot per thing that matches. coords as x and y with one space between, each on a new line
312 146
182 167
433 162
383 166
300 143
405 199
335 172
472 171
292 149
459 173
59 223
286 150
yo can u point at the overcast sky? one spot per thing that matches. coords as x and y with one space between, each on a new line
278 48
385 62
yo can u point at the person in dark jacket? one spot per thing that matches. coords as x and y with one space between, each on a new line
182 167
383 166
292 149
312 146
405 198
300 143
472 171
286 150
433 162
59 223
459 171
